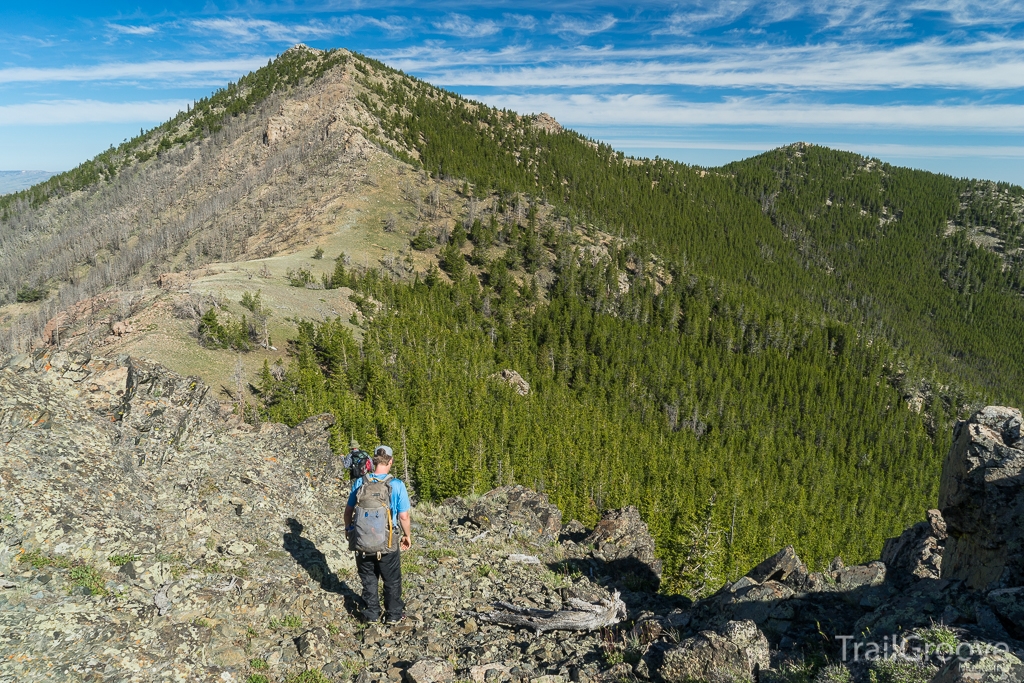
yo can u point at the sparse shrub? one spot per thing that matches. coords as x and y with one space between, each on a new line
258 664
940 635
30 294
318 253
423 241
896 671
299 278
453 261
309 676
834 673
80 573
790 672
229 335
119 560
257 678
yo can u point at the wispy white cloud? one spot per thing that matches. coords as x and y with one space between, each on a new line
252 30
129 30
662 110
850 17
580 26
520 21
120 71
463 26
63 112
986 64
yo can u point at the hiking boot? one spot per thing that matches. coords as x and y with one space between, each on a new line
391 621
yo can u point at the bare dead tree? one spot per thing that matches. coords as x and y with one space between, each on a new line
581 615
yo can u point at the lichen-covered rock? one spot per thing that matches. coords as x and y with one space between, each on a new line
917 552
849 578
315 643
1008 603
784 566
737 653
622 537
982 501
981 663
517 508
430 671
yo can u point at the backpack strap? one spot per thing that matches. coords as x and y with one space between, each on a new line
391 513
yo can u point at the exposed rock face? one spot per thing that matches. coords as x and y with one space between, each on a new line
147 536
738 653
985 665
514 380
917 552
547 123
783 566
517 508
623 538
278 128
982 501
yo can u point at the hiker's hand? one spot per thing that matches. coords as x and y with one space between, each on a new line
405 543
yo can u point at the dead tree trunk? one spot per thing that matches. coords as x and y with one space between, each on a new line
582 615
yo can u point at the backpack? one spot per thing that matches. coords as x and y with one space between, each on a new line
360 464
372 526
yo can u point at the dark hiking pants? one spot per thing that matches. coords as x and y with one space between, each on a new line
388 568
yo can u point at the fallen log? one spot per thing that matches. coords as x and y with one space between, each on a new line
582 615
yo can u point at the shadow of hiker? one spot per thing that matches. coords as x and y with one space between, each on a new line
308 556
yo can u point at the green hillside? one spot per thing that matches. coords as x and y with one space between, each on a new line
778 346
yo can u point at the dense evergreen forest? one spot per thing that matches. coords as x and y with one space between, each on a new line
825 232
667 399
766 353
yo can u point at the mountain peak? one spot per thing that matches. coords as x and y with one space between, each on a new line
302 47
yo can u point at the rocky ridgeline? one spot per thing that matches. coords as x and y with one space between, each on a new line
147 536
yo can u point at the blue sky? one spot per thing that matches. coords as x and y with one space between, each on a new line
931 84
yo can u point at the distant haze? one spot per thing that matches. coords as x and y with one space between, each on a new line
12 181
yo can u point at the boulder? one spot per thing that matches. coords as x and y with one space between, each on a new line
737 653
430 671
518 508
981 662
982 501
784 566
857 576
622 538
917 552
315 644
1008 604
758 602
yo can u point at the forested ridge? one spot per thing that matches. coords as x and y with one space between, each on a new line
766 353
669 400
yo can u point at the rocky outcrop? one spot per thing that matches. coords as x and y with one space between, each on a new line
784 566
622 538
146 535
981 663
514 380
510 509
982 501
917 552
739 652
547 123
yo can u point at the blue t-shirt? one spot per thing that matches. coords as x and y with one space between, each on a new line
399 495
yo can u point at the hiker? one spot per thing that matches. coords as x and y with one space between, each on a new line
357 461
378 527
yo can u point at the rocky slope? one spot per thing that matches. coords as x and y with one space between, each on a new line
147 536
